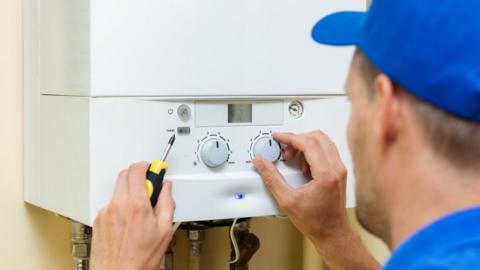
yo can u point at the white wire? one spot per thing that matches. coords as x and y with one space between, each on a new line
235 245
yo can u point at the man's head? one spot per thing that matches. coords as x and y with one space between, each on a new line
414 86
386 121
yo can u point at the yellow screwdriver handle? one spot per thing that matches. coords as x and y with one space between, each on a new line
154 180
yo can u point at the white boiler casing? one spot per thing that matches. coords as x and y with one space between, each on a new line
108 82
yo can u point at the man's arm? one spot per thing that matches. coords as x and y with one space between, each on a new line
128 233
317 208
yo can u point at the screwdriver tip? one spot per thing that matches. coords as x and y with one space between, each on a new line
172 139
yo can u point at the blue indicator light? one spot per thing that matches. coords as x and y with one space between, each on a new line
239 196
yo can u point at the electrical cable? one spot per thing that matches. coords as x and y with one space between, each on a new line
235 245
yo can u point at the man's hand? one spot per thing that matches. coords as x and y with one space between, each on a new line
317 208
128 233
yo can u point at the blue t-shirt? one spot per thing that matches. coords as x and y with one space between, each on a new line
452 242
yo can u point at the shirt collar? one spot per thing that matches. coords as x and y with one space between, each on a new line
446 233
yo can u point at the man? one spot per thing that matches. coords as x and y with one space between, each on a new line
414 135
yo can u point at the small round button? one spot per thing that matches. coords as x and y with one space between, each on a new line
267 148
184 112
214 153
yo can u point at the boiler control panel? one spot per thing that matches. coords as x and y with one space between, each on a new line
211 161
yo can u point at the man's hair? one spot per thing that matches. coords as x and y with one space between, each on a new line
457 140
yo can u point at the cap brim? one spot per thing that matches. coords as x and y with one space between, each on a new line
339 29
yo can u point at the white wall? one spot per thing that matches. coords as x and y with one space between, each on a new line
30 238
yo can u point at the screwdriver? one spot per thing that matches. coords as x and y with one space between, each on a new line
156 173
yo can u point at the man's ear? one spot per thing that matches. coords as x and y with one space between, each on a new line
388 111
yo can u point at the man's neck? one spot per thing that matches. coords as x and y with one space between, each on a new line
427 189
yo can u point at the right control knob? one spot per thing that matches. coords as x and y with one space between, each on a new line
267 148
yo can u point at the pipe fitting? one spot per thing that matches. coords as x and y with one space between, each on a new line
196 238
80 243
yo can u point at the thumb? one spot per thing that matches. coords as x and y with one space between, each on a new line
273 180
165 207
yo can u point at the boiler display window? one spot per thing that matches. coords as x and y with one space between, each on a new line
239 113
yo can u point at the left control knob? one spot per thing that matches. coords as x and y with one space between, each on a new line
214 153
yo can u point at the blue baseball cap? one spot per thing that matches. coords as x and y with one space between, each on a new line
429 47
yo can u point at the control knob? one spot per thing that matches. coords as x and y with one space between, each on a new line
267 148
214 153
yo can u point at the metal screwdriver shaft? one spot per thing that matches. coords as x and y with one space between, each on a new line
156 173
167 149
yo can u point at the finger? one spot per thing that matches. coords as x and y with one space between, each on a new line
303 143
332 152
318 159
290 139
136 182
289 153
120 195
165 208
273 180
327 144
305 168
